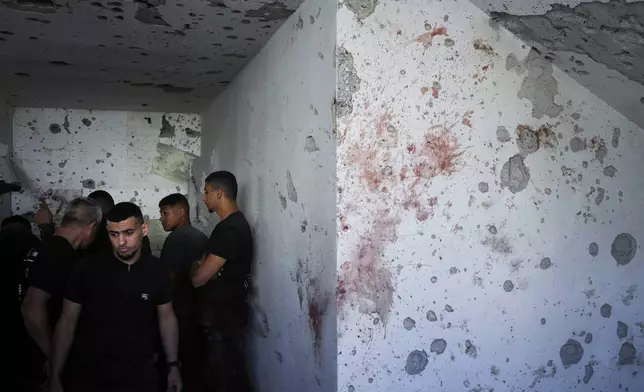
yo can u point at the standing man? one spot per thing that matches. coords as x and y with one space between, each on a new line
183 246
47 267
116 296
224 276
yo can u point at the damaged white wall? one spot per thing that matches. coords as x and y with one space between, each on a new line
136 156
489 212
273 128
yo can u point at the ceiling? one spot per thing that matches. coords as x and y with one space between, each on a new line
151 55
600 44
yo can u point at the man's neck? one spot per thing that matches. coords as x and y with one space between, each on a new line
227 211
69 235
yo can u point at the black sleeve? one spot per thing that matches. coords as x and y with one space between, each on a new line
45 273
224 243
172 252
164 295
75 290
146 245
46 230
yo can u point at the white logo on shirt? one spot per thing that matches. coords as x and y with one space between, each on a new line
144 296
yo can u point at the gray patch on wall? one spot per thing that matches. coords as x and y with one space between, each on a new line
431 316
588 339
606 310
540 87
438 346
409 323
545 263
514 174
282 200
512 63
290 187
89 184
310 145
622 330
172 163
502 134
588 372
348 82
610 171
150 15
571 352
609 33
627 354
615 140
593 249
66 124
55 129
361 8
167 129
623 248
508 286
270 12
416 362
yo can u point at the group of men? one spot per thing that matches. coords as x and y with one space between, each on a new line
98 312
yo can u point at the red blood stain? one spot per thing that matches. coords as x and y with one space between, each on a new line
486 67
411 148
343 223
317 306
434 92
466 121
383 123
426 38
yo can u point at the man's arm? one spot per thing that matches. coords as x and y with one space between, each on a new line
36 318
207 269
169 330
63 338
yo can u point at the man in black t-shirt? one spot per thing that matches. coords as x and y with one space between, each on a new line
224 278
47 267
111 305
182 247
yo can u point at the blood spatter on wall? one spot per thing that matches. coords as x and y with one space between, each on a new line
427 38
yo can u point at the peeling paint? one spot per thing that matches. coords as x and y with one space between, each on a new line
540 87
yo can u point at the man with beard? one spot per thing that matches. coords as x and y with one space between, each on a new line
113 299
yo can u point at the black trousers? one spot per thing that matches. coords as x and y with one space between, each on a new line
140 378
226 362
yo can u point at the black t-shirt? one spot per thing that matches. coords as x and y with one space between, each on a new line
181 249
224 296
114 336
47 267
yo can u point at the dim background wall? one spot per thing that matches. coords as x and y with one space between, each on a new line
136 156
273 128
480 192
5 146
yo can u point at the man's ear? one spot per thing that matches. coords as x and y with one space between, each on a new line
146 228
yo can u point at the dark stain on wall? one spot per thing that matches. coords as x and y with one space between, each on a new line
270 12
609 33
167 129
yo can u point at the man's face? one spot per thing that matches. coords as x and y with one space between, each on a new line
212 197
170 217
127 237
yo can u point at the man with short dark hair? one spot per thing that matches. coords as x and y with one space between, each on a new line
224 276
183 246
16 223
116 296
47 267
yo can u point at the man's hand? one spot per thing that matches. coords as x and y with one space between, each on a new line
174 380
43 215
